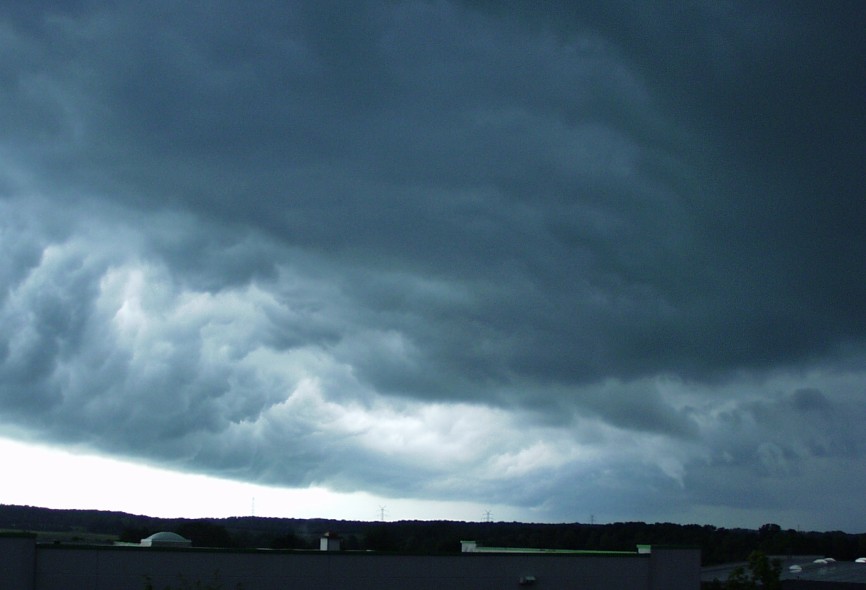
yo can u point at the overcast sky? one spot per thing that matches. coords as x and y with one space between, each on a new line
569 262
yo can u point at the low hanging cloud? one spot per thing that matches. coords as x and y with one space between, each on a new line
574 260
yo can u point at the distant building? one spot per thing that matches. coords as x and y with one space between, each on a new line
28 565
474 547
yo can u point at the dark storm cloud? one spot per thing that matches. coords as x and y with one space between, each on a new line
531 158
788 448
228 231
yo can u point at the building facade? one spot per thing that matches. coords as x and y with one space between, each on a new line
26 565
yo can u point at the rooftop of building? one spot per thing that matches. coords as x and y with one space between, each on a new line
475 547
801 567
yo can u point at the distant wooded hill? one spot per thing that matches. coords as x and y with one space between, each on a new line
718 545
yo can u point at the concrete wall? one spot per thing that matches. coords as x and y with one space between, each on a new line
131 568
17 561
674 569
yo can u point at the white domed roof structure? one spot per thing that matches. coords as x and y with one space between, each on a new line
165 539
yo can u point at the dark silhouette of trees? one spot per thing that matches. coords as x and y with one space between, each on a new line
134 534
289 541
760 572
203 533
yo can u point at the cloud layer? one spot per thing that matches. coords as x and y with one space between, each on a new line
601 261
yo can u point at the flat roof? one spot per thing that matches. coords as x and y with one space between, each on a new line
484 549
835 571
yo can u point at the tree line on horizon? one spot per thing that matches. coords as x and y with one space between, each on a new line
718 545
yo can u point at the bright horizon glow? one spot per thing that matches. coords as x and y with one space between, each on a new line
47 477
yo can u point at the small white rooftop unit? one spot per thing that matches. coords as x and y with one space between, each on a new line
165 539
329 542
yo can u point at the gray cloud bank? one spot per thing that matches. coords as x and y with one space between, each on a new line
606 261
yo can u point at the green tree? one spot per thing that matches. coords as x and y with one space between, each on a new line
760 572
765 570
739 579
